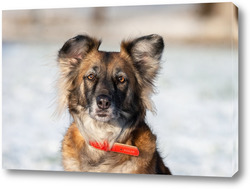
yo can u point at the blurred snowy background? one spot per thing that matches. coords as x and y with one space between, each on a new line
197 89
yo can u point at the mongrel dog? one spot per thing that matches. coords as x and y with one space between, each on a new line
107 94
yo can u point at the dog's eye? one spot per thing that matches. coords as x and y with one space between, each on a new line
91 76
121 79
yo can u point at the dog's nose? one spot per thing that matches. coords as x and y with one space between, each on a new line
103 102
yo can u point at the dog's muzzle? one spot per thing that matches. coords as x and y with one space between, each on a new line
102 110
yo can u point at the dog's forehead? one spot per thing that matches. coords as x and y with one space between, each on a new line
111 61
103 62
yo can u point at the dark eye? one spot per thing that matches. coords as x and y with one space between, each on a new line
91 76
121 79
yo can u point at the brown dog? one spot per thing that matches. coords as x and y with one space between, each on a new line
107 94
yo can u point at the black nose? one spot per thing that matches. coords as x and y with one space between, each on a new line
103 102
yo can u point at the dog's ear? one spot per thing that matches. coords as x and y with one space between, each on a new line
77 48
146 53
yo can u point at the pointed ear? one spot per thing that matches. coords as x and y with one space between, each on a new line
77 48
146 53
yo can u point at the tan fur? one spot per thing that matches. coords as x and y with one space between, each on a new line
73 142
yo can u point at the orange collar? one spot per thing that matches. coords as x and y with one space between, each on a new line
117 147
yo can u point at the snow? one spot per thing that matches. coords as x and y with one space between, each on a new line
196 122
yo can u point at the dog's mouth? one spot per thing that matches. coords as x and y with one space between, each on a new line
102 113
103 116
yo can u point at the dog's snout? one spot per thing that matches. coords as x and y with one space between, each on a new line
103 102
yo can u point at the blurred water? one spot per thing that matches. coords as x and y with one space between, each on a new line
196 102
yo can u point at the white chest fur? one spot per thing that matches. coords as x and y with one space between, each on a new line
93 130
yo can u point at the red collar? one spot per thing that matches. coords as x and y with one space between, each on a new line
117 147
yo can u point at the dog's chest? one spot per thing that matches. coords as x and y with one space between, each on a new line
96 160
101 161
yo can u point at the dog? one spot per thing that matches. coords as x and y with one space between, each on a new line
107 95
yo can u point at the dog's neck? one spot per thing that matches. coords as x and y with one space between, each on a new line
96 131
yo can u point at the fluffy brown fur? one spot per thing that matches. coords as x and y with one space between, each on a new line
107 94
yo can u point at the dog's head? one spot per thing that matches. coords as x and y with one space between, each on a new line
109 85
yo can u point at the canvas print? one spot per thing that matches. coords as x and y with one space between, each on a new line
127 89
